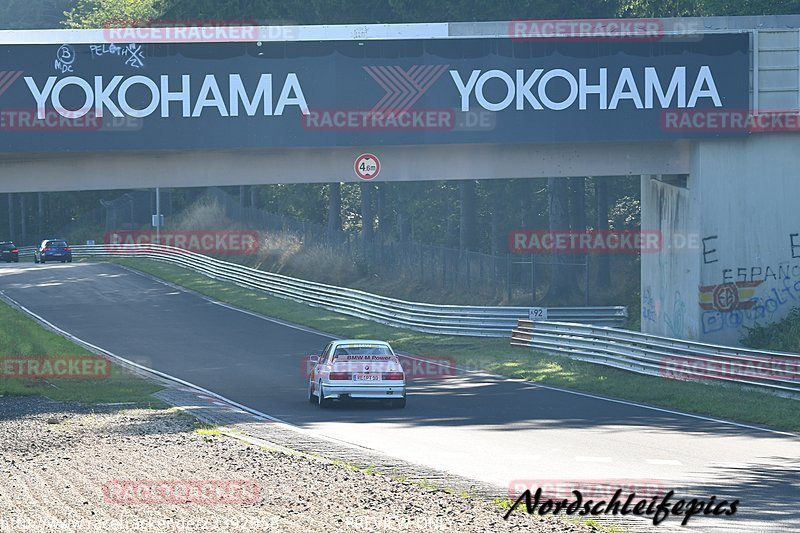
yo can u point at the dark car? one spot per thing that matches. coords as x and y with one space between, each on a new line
53 250
9 252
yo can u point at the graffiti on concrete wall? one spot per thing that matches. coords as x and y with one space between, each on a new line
751 295
675 318
648 306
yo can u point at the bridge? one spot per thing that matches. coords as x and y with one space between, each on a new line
703 111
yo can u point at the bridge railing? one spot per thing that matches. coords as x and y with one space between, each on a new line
662 356
483 321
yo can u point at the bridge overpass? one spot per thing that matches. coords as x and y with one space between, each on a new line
703 111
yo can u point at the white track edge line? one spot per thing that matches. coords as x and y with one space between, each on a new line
169 377
507 378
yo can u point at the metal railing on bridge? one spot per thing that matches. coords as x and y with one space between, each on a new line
484 321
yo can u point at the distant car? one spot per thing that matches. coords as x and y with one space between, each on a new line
53 250
356 369
9 252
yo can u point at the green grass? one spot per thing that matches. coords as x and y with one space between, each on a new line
781 336
496 355
22 336
207 430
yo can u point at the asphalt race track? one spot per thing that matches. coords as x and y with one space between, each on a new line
477 426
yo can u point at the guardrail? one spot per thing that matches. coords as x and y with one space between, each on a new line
491 321
663 356
26 250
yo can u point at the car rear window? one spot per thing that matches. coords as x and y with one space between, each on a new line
362 350
7 246
56 243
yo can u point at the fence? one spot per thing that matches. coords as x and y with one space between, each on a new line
501 277
663 356
429 318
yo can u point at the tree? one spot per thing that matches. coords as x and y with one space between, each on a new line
467 237
111 13
384 223
367 217
601 224
335 207
562 279
11 233
33 14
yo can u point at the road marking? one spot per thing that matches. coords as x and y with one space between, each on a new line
228 306
672 462
163 375
591 459
730 465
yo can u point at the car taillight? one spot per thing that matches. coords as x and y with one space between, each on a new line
339 375
47 249
14 251
67 249
393 375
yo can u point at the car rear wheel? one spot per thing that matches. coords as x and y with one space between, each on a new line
310 392
323 402
35 259
399 403
69 260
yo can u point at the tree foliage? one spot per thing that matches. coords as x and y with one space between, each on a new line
111 13
33 14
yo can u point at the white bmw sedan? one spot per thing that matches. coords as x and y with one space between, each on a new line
356 369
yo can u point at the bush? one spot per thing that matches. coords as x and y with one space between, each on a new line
783 336
203 215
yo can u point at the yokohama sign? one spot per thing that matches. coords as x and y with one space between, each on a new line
272 94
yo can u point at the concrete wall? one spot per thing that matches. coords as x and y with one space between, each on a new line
670 277
741 212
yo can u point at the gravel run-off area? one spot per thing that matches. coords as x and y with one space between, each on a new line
68 467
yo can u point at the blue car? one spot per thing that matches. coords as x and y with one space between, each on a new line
53 250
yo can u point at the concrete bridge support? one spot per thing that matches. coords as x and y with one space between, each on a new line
731 240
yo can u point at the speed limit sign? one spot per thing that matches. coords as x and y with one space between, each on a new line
367 166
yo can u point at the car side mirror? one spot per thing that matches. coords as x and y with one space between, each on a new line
313 359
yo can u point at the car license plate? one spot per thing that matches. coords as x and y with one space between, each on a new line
366 377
